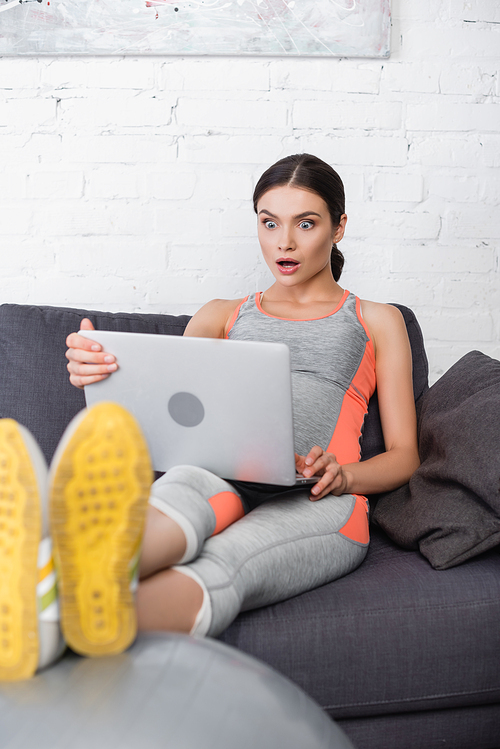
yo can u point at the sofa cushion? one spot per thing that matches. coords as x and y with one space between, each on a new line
35 388
450 509
393 637
474 727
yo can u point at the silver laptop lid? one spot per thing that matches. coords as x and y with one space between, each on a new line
222 405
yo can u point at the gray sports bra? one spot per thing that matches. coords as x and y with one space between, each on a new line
333 371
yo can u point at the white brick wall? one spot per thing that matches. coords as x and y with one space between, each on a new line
126 183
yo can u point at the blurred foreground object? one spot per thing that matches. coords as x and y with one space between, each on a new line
169 692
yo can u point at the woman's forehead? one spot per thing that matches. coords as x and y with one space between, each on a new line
286 199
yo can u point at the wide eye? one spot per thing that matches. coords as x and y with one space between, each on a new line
306 224
270 224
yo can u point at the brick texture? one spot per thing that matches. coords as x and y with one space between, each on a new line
126 182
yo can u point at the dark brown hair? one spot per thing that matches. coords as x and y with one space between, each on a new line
309 173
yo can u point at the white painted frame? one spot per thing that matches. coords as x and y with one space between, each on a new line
336 28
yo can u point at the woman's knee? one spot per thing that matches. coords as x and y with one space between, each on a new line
186 475
222 501
356 527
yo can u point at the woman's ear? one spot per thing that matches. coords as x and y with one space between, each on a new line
339 231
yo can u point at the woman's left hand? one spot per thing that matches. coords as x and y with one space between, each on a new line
318 462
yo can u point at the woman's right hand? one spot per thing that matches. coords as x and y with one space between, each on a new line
87 362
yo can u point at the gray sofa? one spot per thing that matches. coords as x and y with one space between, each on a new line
401 655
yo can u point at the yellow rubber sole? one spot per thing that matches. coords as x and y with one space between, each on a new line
20 523
99 494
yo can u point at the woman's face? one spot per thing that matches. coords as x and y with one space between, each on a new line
296 234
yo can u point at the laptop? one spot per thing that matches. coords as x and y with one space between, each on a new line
221 405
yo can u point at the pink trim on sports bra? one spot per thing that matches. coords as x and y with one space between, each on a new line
294 319
365 328
235 315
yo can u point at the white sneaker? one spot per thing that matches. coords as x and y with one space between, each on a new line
99 479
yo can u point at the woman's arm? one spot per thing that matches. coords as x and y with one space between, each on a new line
212 320
396 404
397 415
88 363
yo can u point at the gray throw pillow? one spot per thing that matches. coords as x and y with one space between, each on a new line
450 510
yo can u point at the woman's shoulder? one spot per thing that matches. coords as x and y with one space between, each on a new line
212 320
221 306
379 312
384 321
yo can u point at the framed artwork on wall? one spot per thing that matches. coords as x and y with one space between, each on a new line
337 28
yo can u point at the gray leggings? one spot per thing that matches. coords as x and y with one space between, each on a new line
285 546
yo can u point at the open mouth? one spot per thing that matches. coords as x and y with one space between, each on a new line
288 264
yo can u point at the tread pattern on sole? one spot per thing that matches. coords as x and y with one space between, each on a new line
100 491
20 528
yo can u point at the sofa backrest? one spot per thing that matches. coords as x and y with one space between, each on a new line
373 439
34 384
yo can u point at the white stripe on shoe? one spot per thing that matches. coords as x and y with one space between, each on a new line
46 589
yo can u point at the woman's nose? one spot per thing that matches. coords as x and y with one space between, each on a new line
286 241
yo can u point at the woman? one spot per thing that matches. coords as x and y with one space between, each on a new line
194 581
212 548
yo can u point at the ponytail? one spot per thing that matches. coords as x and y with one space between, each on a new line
337 262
